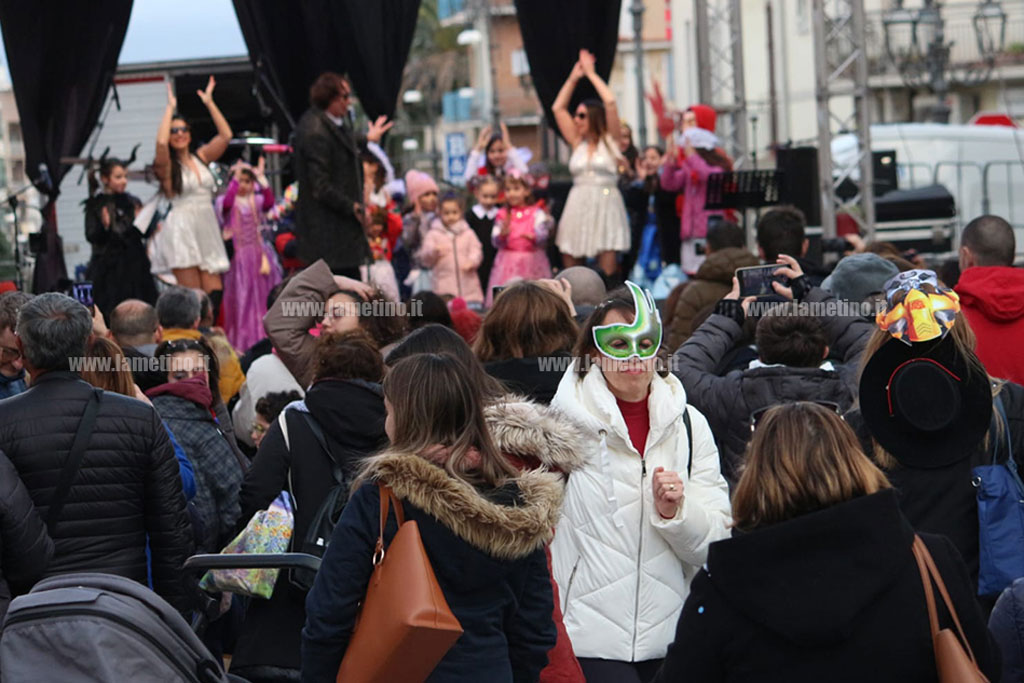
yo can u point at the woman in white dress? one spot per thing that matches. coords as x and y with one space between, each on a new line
594 221
189 242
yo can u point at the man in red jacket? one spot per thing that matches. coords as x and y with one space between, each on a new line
992 295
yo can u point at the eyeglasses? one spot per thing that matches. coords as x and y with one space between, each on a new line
180 129
757 415
258 428
9 354
581 115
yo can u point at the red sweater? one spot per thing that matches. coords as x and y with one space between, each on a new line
638 422
992 298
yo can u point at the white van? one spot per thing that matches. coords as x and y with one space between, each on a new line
981 166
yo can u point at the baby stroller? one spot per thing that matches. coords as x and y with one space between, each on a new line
86 627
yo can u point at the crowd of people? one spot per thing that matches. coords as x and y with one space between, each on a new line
608 486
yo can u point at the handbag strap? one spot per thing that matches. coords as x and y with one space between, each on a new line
927 566
689 441
387 496
74 460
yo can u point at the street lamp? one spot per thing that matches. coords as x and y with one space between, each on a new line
637 9
915 41
415 97
469 37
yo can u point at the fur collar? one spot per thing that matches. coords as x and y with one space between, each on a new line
523 428
502 531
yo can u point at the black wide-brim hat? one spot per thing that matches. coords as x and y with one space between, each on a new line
924 403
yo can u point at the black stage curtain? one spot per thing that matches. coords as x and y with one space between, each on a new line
291 43
377 38
553 35
62 57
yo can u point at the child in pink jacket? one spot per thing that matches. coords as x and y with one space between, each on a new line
453 253
690 174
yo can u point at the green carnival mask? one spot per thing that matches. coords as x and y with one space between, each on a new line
640 339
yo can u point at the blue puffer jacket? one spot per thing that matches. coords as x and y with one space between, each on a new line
1007 626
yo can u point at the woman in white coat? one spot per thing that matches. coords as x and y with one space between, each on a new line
639 517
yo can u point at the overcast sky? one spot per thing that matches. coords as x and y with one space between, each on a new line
160 30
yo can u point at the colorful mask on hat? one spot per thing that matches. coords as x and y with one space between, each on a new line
918 308
620 341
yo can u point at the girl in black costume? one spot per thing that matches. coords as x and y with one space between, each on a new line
119 267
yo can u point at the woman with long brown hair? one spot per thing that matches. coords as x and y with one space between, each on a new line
819 581
483 524
594 221
189 243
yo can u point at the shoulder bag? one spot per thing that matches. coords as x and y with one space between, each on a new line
405 625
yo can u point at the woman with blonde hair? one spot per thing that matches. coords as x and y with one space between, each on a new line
819 581
483 524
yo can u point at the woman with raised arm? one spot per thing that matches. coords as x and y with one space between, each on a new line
189 243
594 221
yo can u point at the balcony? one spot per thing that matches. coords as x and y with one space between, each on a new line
959 30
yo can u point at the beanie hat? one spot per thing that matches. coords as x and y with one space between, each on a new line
418 183
858 276
706 116
466 322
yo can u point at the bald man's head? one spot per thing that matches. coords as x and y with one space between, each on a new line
987 241
587 286
134 323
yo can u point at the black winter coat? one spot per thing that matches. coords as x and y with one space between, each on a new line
526 376
127 491
330 177
486 548
351 415
729 401
119 267
25 547
944 500
1007 627
834 595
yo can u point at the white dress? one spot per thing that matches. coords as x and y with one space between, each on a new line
190 235
594 219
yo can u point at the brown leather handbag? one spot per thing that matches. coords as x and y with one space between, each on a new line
405 626
953 663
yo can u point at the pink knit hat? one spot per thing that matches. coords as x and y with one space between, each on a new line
418 183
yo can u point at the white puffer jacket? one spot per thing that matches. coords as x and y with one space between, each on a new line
623 572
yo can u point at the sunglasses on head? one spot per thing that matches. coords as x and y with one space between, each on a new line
180 129
758 415
179 345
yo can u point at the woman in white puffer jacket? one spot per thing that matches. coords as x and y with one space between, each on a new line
639 517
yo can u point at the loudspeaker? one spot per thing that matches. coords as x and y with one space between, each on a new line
799 166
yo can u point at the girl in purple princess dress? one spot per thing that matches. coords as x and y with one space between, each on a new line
254 267
520 235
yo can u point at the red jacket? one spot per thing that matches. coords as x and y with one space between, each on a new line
992 298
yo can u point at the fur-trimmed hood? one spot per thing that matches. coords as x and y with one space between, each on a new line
531 431
506 532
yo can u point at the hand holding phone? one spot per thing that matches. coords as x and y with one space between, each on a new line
757 280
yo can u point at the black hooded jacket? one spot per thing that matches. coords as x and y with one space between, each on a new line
351 414
833 595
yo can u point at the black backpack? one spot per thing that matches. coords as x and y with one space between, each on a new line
318 535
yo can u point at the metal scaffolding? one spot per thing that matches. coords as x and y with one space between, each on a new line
841 75
720 72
